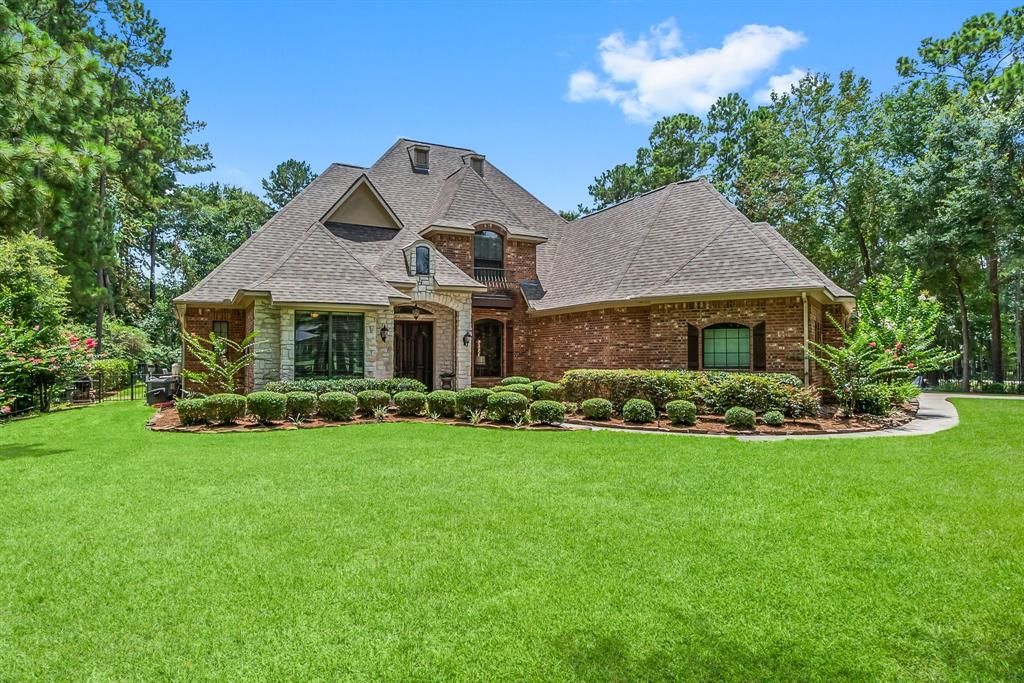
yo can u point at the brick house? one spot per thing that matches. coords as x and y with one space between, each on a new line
434 264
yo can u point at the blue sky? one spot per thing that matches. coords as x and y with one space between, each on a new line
552 93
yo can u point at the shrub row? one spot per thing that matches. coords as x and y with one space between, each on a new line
352 386
114 372
713 392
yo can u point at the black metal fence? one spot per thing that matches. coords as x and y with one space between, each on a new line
97 390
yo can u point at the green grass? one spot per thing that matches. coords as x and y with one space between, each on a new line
422 551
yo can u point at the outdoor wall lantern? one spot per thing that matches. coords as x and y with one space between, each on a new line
466 338
384 332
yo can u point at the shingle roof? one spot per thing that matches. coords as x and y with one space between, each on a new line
683 239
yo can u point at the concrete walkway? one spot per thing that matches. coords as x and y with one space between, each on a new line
935 414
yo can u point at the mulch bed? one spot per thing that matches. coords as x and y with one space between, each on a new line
166 420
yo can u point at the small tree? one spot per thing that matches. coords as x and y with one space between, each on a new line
222 361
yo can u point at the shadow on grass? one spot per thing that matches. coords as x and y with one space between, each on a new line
31 450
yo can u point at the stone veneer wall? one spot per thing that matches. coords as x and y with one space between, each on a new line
449 327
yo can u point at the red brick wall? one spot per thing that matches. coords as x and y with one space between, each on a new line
656 336
520 257
521 260
458 249
199 320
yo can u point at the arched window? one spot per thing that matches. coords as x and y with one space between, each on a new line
727 347
488 255
423 260
487 346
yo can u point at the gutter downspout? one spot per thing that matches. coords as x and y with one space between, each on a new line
807 359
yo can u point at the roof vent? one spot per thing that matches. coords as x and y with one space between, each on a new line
421 159
476 162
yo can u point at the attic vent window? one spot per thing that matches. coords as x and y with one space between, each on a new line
421 159
477 164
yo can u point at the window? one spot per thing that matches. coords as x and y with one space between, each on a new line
487 348
488 252
422 260
328 344
221 328
421 158
727 346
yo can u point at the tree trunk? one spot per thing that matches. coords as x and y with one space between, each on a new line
965 334
1020 332
865 256
996 350
100 305
152 265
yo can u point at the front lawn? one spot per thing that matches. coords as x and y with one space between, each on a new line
424 551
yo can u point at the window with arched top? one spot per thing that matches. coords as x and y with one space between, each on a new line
726 347
423 260
488 254
487 345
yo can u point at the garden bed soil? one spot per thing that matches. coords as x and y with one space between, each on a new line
827 423
167 420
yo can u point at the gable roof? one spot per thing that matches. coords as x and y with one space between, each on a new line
681 240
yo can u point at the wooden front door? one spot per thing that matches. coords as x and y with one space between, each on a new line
414 351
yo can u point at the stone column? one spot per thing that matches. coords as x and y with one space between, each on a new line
266 358
287 341
463 353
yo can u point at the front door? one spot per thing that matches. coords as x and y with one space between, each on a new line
414 351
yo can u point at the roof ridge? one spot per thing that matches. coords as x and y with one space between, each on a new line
339 163
771 248
287 255
436 144
483 181
344 247
639 243
434 214
623 202
690 260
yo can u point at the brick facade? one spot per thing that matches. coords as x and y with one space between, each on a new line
199 321
456 248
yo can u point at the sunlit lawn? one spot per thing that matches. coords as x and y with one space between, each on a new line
422 551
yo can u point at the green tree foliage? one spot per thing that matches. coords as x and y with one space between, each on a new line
287 180
31 284
222 361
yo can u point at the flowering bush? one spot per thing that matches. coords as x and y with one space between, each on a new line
30 363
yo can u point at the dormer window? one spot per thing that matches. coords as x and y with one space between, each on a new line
476 162
423 260
421 159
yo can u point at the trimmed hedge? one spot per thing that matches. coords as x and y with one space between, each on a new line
266 406
514 379
773 418
372 398
352 386
739 417
442 402
713 392
223 408
505 405
639 411
191 411
597 408
337 405
410 403
301 404
548 391
471 399
681 412
547 412
115 373
524 389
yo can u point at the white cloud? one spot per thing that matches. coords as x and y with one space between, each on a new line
779 84
654 75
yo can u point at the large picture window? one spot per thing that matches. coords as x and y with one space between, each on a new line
488 251
328 344
487 348
727 347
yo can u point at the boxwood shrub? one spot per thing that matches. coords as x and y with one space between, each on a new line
471 399
597 408
266 406
442 402
503 406
223 408
773 418
524 389
639 411
739 417
681 412
547 412
353 386
372 398
191 411
514 379
301 404
337 405
410 403
548 391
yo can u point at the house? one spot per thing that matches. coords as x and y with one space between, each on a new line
433 264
